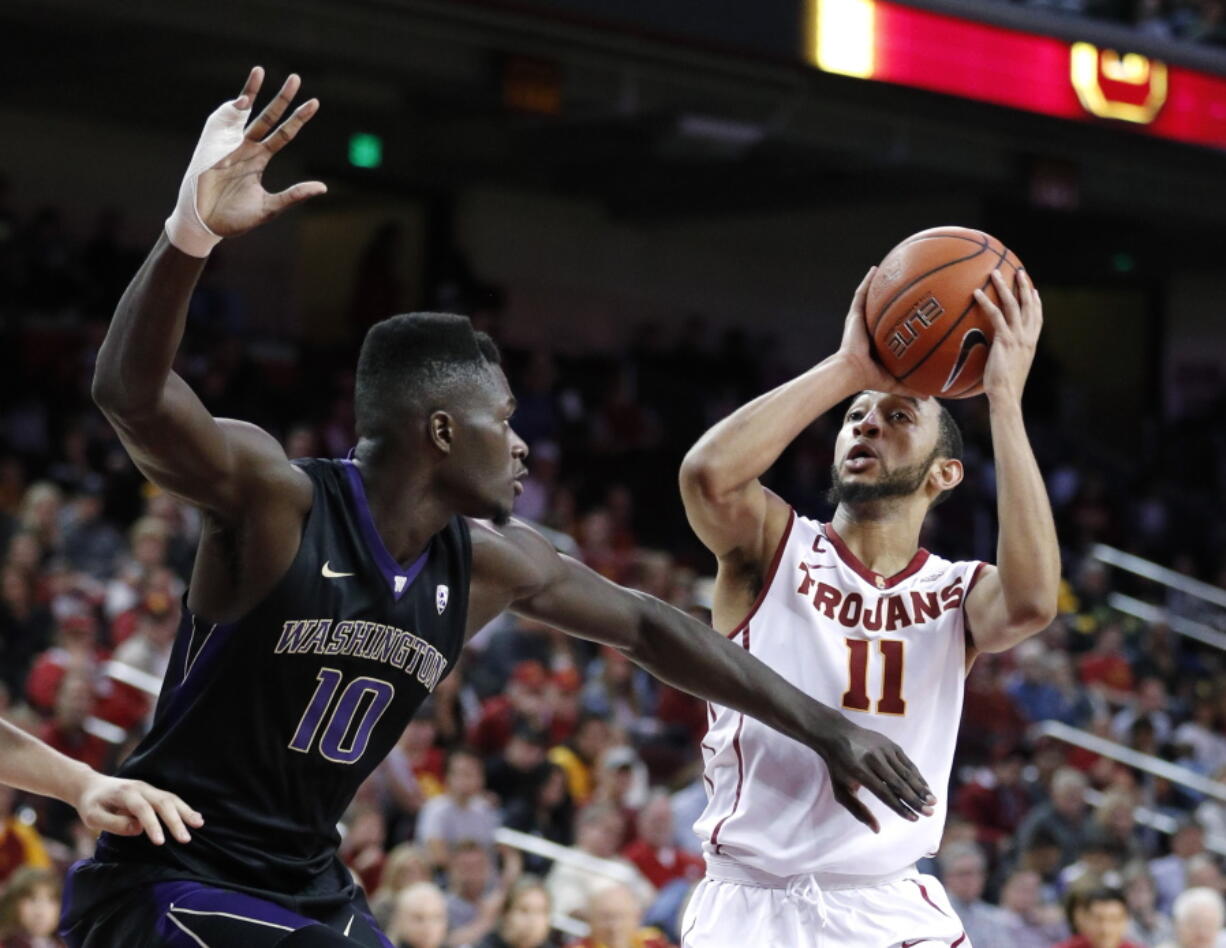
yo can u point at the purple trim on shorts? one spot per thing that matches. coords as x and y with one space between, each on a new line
188 899
388 566
66 898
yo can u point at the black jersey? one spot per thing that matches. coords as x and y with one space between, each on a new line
268 725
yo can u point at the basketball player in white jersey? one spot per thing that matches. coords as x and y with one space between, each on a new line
857 615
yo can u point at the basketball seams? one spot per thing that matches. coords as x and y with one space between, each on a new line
1000 255
872 330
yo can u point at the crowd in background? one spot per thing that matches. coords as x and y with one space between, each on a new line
1196 21
567 743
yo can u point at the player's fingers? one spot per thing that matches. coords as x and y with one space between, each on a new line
191 816
139 807
276 203
275 109
1032 305
995 316
251 88
862 289
855 806
164 804
1008 297
103 820
891 790
912 775
290 127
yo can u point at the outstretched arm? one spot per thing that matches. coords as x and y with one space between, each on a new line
125 807
1016 598
516 567
727 506
168 432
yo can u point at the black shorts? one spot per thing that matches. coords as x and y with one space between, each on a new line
121 905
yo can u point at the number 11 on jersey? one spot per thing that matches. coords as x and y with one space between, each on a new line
856 697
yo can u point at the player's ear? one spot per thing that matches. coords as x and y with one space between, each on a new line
947 473
442 431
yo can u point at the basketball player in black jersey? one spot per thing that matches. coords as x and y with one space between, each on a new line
330 596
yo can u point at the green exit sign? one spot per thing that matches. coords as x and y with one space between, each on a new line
365 150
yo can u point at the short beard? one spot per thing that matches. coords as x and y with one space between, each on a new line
502 516
901 483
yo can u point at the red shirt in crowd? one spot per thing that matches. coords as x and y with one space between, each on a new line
1080 941
662 866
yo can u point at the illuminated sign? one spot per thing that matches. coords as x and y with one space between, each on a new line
877 39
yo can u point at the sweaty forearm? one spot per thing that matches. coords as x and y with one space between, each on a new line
135 360
1027 551
748 442
28 764
693 657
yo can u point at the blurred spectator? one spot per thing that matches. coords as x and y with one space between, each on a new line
511 776
20 843
1170 872
30 909
1062 816
1199 917
25 626
598 831
1148 705
475 895
545 811
1201 736
66 730
996 800
524 701
578 757
75 652
1099 917
91 544
1148 927
460 813
525 919
362 845
1028 921
616 916
964 874
419 918
404 866
654 853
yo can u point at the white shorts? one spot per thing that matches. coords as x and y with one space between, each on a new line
735 907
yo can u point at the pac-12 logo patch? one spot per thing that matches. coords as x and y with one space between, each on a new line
440 598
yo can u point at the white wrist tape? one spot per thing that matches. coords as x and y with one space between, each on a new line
223 132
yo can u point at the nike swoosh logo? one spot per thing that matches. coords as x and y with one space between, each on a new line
329 573
973 338
350 925
918 941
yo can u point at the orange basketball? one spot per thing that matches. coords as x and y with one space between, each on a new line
927 330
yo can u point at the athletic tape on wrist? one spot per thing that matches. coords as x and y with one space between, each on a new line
223 132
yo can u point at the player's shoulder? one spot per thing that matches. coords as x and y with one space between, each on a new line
514 554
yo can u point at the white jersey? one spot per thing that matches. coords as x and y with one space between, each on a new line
890 653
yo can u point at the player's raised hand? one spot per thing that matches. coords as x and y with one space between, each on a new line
856 348
857 757
1017 323
223 194
132 807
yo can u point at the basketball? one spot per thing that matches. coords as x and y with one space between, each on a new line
927 330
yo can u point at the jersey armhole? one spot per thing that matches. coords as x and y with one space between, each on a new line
769 578
968 638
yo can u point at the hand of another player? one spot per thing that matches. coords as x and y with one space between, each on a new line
857 351
230 196
858 757
1017 323
130 807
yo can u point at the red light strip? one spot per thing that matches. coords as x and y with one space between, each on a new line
934 51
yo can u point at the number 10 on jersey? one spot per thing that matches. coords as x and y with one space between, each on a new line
856 697
353 718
